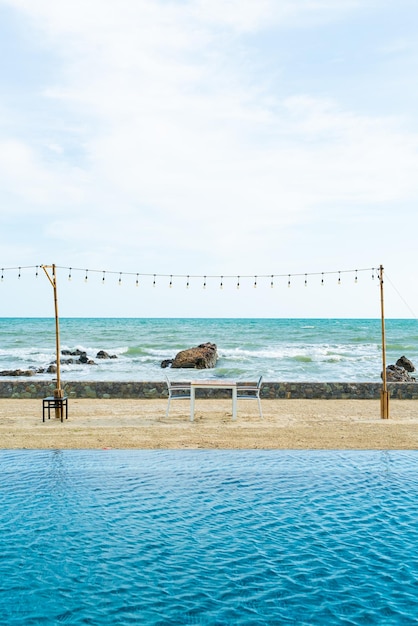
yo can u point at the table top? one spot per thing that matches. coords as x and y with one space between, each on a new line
214 383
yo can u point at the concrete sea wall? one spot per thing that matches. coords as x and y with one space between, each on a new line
155 390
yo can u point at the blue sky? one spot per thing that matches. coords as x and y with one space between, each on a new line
209 137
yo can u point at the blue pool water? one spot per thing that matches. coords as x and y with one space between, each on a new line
208 537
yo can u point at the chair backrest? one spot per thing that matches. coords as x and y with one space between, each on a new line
260 382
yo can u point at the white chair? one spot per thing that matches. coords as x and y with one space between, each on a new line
250 391
177 391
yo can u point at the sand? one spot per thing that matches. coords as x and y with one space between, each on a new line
141 424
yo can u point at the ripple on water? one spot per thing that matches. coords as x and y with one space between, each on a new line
208 537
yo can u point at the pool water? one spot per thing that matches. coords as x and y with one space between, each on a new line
208 537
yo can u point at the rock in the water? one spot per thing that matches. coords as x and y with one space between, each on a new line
102 354
76 352
406 364
166 363
18 372
397 374
203 356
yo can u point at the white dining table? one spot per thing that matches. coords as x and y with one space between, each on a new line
213 384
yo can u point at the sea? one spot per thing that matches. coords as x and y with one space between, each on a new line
298 350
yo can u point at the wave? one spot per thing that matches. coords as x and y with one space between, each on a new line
302 358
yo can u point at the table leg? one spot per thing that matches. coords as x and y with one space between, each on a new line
234 403
192 399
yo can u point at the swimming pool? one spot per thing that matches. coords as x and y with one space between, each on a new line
208 537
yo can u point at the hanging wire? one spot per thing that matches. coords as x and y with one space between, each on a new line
400 295
272 277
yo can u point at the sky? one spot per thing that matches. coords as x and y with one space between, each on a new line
234 138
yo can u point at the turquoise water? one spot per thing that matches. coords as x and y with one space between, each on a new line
208 537
279 349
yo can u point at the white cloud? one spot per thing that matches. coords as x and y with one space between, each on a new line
188 150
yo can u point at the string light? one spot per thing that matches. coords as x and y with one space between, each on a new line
374 272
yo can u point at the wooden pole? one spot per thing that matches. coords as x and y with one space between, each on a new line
384 394
58 393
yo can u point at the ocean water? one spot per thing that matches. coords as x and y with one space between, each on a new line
347 350
208 537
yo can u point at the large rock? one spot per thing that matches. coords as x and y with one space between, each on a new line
406 364
202 357
397 374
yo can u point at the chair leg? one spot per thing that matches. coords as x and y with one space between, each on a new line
259 407
168 406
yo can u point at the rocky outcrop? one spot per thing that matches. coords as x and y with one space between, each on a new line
202 357
75 352
20 372
397 374
104 355
83 359
406 364
400 372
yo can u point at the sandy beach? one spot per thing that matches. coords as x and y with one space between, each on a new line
141 424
